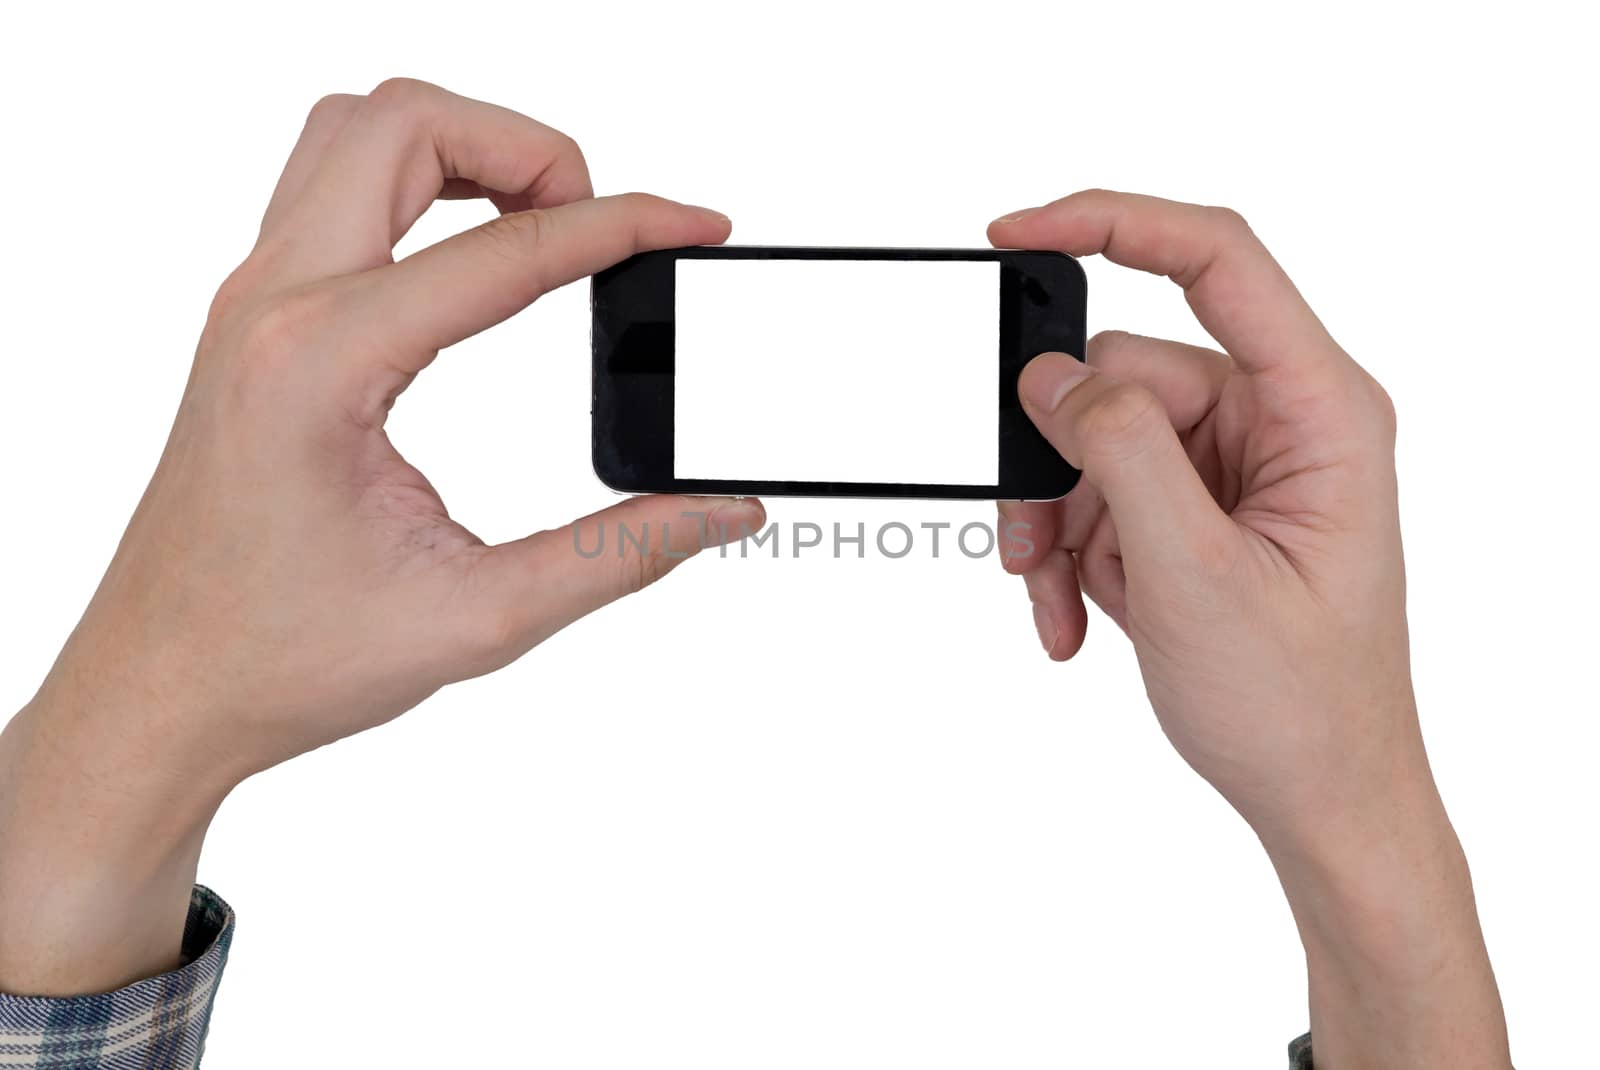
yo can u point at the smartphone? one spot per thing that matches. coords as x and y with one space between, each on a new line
885 373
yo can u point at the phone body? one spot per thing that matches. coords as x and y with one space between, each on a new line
839 372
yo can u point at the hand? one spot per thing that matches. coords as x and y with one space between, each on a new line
1238 519
288 578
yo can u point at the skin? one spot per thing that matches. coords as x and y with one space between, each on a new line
1238 518
288 579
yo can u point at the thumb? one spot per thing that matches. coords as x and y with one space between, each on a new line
1118 433
536 586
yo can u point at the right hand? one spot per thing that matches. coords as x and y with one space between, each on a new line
1238 519
1237 516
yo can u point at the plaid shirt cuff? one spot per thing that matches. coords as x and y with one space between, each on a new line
155 1024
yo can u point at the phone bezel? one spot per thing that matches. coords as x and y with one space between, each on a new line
1042 302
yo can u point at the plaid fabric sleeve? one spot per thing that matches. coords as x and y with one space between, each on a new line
155 1024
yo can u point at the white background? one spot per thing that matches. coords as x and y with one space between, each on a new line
852 371
809 812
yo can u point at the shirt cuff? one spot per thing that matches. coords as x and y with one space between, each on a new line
159 1023
1300 1053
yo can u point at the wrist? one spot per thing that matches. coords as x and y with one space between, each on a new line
1365 875
1346 824
100 836
1382 898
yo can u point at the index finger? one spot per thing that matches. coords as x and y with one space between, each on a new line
467 283
1237 290
405 144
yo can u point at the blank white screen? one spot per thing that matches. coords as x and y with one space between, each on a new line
853 371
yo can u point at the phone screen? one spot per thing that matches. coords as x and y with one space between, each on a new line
838 371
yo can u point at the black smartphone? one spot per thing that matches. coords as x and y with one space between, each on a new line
830 372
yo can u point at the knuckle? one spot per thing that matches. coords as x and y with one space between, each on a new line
567 146
1109 338
1104 345
1228 219
232 295
489 628
1120 421
1351 396
333 108
283 326
642 569
1383 406
516 234
640 202
399 94
1091 200
575 164
495 632
647 560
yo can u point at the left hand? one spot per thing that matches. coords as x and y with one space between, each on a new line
288 579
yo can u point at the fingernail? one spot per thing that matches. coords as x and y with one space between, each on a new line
1046 627
736 519
712 212
1048 378
1014 216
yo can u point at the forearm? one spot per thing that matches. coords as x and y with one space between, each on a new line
1398 972
99 841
